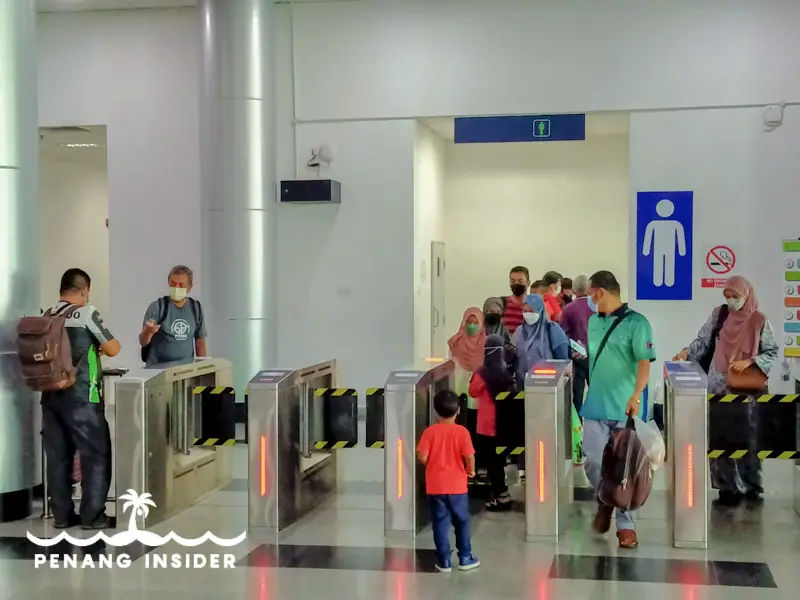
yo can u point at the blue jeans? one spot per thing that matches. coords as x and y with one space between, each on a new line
595 437
446 509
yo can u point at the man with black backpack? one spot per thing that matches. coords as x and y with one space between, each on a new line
60 355
620 352
174 329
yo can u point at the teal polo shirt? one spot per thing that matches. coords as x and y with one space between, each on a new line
613 375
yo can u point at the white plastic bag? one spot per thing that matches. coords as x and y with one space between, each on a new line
650 436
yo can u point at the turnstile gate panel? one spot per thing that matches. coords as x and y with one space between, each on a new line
548 449
686 408
408 410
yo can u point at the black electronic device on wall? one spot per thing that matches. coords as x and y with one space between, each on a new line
311 191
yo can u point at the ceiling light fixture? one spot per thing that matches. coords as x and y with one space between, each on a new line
81 145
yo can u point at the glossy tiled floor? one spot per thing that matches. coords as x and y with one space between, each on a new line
339 552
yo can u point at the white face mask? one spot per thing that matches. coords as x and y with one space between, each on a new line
735 303
558 290
177 293
530 317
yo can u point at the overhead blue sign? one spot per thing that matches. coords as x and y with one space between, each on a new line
536 128
664 245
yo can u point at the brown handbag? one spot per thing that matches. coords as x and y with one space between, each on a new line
752 379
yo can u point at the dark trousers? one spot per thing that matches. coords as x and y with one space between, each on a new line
69 426
495 465
580 377
447 509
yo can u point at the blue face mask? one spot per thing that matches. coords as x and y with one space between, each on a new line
592 304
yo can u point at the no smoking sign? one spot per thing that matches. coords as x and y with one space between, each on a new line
720 261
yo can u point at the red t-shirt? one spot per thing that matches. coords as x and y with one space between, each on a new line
446 445
512 315
552 307
487 411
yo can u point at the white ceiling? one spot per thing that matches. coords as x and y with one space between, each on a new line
77 5
608 123
85 145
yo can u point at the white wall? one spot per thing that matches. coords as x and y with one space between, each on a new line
73 204
745 183
560 206
458 57
429 182
135 72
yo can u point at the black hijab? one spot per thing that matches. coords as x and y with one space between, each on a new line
494 370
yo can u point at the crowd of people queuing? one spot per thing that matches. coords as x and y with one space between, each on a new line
611 348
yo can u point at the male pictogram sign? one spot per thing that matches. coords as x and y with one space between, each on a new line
720 260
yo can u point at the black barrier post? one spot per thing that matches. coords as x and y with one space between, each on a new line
375 424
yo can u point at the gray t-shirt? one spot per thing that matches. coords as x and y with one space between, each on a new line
174 342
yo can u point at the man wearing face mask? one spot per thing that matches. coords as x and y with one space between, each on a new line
620 352
174 329
552 279
519 280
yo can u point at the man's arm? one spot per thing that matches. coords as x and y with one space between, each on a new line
200 333
150 326
108 344
644 352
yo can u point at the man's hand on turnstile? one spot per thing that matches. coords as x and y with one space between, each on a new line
682 355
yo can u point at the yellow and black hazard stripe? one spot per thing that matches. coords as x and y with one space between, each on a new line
334 392
375 392
377 445
209 442
764 398
322 445
509 450
200 389
762 454
510 396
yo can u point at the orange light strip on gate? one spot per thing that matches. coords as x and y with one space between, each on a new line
399 468
262 456
690 476
545 372
541 472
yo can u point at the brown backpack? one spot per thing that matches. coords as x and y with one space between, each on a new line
626 478
45 351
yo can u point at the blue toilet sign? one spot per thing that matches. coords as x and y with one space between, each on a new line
664 229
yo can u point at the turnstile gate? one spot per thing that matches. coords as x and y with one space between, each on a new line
298 420
701 426
408 410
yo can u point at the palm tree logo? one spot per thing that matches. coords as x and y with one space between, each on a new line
139 504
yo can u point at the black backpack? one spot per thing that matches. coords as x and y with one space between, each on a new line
705 360
163 307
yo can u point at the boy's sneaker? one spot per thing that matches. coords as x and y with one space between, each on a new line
444 566
468 563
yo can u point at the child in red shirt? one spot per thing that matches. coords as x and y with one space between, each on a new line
447 453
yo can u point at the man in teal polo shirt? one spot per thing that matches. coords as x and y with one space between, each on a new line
620 353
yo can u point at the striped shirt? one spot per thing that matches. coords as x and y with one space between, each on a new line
512 314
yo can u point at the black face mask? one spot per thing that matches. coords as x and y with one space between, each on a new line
518 289
492 319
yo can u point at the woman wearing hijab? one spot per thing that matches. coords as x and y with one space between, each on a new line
737 338
492 378
466 348
493 325
538 338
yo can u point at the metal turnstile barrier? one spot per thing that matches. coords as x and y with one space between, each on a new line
298 420
157 418
701 426
548 449
686 439
407 403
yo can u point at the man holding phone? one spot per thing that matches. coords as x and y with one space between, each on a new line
575 323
